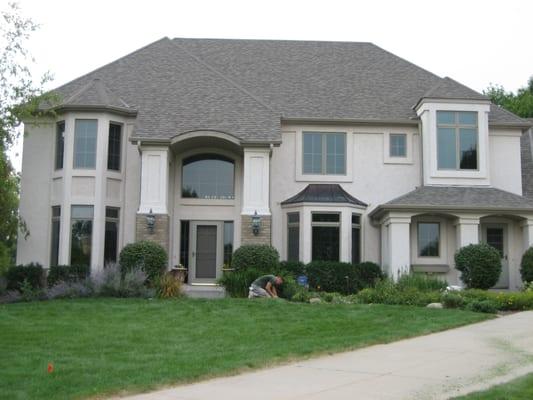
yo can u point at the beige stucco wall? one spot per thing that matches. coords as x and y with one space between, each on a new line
505 163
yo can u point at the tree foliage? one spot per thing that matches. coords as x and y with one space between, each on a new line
20 97
520 103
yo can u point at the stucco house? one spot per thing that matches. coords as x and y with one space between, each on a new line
326 150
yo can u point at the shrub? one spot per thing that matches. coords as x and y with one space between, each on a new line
238 282
67 273
484 306
146 255
69 290
301 296
369 273
289 287
168 287
387 292
32 273
332 276
526 266
452 300
257 257
422 282
295 268
111 282
480 265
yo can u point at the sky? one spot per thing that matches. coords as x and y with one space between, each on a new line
475 42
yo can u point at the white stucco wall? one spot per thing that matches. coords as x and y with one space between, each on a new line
505 164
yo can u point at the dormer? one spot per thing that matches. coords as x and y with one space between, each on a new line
455 135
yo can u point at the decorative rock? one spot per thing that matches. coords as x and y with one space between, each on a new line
315 300
434 305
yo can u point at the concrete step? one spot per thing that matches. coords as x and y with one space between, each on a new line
204 291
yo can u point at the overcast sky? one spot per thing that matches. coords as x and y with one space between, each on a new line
474 42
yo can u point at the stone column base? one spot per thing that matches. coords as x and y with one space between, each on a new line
160 233
264 235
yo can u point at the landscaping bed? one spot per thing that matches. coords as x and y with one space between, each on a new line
103 346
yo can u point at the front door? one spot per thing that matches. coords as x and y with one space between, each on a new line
495 235
206 252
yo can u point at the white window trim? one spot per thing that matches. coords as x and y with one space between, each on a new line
408 159
443 241
432 175
301 177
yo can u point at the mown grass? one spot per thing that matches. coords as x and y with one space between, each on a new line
107 346
518 389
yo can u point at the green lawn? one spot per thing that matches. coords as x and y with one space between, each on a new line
103 346
518 389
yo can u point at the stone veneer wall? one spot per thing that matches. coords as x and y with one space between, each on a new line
160 234
264 236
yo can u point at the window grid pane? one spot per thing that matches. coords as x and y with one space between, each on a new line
81 235
428 239
85 143
398 145
114 147
60 144
457 140
324 153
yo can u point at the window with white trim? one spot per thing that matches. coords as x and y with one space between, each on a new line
398 145
457 140
428 239
324 153
325 236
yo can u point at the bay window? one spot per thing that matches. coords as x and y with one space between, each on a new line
325 236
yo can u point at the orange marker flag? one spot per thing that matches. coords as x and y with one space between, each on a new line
50 368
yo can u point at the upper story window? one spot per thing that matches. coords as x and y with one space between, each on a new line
60 144
398 145
114 147
208 176
324 153
457 140
85 131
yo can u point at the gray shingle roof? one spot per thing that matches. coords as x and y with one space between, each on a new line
452 197
447 88
323 193
245 87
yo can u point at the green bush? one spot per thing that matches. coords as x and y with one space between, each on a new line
32 273
5 258
387 292
257 257
67 273
526 266
295 268
452 300
147 255
237 283
369 273
480 265
422 282
168 286
484 306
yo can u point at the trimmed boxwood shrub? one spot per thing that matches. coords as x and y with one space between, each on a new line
480 265
369 273
67 273
32 273
332 276
259 257
526 266
295 268
147 255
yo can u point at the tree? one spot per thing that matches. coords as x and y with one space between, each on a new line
520 103
20 97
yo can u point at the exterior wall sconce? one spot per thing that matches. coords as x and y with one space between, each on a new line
150 222
256 223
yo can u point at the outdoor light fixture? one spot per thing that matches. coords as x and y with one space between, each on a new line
256 223
150 221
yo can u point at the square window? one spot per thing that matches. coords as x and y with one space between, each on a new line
324 153
398 145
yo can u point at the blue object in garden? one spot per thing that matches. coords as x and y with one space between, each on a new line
302 280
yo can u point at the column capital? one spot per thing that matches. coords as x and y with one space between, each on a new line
396 220
466 220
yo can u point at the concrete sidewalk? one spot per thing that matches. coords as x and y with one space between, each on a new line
437 366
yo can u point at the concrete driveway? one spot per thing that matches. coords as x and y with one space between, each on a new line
436 366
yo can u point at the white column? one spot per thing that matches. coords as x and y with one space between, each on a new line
64 229
256 185
467 231
346 236
527 233
154 180
399 254
306 233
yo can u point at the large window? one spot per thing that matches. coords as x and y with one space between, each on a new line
324 153
111 234
457 140
356 239
114 146
208 176
60 144
85 131
228 243
398 145
81 235
56 223
293 236
428 239
325 236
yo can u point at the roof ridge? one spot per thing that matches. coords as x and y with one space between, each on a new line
104 93
276 40
215 71
110 63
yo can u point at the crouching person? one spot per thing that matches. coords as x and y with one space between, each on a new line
265 286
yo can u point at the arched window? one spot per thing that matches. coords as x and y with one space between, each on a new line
208 176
